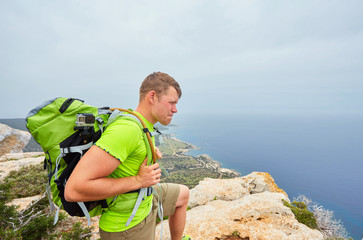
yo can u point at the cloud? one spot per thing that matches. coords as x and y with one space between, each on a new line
251 51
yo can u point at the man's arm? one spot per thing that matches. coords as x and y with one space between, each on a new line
89 181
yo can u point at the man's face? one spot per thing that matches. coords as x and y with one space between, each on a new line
165 106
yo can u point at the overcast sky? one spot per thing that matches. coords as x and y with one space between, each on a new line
246 56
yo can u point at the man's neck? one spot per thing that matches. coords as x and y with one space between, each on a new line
145 113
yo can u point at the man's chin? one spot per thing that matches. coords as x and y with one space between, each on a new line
165 123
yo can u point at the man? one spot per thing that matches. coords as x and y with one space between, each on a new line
116 166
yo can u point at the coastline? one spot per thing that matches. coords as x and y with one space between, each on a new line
206 158
184 150
175 151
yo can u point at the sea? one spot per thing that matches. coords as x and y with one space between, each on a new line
319 156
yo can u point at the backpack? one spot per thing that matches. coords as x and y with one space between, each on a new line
66 128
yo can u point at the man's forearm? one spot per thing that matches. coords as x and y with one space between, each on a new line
89 181
100 188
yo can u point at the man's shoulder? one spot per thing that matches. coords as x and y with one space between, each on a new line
121 132
126 122
122 128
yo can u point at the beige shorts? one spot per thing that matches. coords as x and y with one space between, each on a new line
146 229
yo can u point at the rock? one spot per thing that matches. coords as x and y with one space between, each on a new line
231 189
229 172
18 156
208 162
224 189
250 206
23 203
12 140
258 182
13 162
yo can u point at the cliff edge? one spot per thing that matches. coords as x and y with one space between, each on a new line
248 207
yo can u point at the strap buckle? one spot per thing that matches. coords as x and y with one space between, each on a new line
149 191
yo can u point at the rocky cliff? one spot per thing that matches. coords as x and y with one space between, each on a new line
12 140
248 207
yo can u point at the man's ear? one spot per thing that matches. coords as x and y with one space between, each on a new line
152 97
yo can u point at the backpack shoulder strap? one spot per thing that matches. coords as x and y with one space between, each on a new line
118 111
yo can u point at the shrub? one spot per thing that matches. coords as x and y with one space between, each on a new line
6 213
37 227
35 222
302 214
327 223
28 181
31 223
78 232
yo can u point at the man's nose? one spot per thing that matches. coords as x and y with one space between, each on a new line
174 110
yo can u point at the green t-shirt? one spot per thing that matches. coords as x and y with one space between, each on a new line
124 140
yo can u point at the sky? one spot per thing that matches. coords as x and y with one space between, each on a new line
241 56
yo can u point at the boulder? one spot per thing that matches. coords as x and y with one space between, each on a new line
231 189
12 140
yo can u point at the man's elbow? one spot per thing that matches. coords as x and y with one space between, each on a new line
70 195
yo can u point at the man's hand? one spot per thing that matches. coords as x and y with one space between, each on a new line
148 175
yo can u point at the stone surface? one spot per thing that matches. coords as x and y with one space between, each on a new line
12 140
19 156
250 206
23 203
232 189
258 182
13 162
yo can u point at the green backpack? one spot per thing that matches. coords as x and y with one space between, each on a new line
66 128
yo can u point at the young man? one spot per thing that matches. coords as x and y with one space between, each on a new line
115 168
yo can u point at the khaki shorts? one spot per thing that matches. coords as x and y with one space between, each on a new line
146 229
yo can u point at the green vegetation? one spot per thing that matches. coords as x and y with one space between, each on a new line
28 181
184 169
171 146
236 233
328 225
36 221
187 170
234 236
190 178
302 214
31 223
175 163
77 232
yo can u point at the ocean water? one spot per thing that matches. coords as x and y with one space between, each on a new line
320 157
